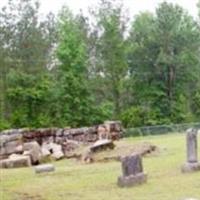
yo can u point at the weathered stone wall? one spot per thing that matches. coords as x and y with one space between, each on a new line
12 141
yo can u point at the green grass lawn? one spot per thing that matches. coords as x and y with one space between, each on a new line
75 181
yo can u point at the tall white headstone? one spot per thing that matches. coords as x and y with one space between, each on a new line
192 163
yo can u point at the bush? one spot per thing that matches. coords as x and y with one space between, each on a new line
4 125
133 117
138 116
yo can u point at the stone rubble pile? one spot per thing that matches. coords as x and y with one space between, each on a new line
36 145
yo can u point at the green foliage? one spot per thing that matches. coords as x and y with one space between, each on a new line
25 43
137 116
133 117
28 98
4 124
196 105
75 101
164 61
69 71
111 62
103 112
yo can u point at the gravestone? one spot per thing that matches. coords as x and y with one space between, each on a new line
44 168
132 171
192 163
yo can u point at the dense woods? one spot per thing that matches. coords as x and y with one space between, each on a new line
75 70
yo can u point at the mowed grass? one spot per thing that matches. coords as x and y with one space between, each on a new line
76 181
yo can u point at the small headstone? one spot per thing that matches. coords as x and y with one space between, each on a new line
192 163
132 171
44 168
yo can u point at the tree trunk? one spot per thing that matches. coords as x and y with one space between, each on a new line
170 84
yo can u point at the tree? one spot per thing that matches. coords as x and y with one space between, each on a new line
75 72
180 40
31 96
111 63
26 43
164 62
196 94
74 99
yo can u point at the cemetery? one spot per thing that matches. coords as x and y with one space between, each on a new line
151 167
99 100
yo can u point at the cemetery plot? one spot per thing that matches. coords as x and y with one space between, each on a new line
74 180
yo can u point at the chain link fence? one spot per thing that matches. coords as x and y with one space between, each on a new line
161 129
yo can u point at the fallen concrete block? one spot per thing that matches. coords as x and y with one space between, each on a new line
102 145
44 168
15 161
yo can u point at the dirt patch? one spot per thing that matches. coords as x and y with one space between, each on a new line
123 149
144 149
25 196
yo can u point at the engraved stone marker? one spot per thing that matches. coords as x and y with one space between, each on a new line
192 163
132 171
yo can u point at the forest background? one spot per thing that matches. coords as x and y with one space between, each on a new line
74 70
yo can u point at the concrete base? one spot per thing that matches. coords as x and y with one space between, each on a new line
190 167
44 168
132 180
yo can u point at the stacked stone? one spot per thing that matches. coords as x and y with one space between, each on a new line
110 130
54 142
10 143
84 135
39 135
114 129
